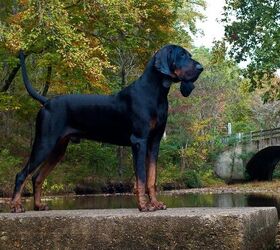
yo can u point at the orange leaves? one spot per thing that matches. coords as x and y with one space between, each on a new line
17 18
23 2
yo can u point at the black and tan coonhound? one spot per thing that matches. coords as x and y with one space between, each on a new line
136 117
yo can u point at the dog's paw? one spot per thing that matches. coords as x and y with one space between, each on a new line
158 205
18 208
147 207
41 207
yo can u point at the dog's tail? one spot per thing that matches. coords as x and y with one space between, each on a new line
31 91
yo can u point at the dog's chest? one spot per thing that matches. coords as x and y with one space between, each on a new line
158 118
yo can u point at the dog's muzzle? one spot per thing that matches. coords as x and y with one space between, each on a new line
188 86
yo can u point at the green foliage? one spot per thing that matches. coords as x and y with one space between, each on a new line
239 114
8 102
89 163
208 178
276 172
253 30
172 177
169 174
8 166
192 179
54 188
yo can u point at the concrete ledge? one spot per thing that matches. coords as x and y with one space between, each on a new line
180 228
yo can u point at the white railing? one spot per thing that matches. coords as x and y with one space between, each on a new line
253 136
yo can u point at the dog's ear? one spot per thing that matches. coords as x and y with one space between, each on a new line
163 61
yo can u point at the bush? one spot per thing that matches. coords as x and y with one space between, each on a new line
9 166
192 179
170 177
208 178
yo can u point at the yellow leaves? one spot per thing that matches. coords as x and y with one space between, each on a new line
23 2
8 103
59 86
12 37
199 125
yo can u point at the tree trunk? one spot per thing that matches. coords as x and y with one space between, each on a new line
48 81
182 161
7 81
123 76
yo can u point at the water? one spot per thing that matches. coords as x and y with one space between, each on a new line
128 201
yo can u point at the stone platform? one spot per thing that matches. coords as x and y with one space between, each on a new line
177 228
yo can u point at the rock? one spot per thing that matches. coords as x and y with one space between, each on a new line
180 228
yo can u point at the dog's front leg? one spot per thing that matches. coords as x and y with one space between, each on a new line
139 151
151 167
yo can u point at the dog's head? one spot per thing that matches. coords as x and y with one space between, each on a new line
177 65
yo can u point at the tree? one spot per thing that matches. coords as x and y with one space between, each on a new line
252 27
73 38
46 28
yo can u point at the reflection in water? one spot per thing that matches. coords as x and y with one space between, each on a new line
128 201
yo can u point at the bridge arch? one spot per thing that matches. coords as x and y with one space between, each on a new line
261 166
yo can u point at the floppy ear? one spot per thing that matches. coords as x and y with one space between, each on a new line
162 61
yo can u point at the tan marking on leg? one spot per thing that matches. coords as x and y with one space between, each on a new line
16 205
44 171
151 185
140 194
151 180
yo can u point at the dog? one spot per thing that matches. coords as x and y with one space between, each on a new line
135 117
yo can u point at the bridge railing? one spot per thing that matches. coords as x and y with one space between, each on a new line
262 134
253 136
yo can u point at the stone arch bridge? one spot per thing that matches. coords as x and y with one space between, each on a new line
250 156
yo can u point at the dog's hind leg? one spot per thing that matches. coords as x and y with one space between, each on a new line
43 145
38 178
37 157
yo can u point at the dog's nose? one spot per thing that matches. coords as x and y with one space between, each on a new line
199 67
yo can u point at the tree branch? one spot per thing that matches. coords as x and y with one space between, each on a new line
8 79
48 81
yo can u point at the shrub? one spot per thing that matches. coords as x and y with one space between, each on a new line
192 179
9 165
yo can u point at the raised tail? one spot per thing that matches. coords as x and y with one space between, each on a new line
31 91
